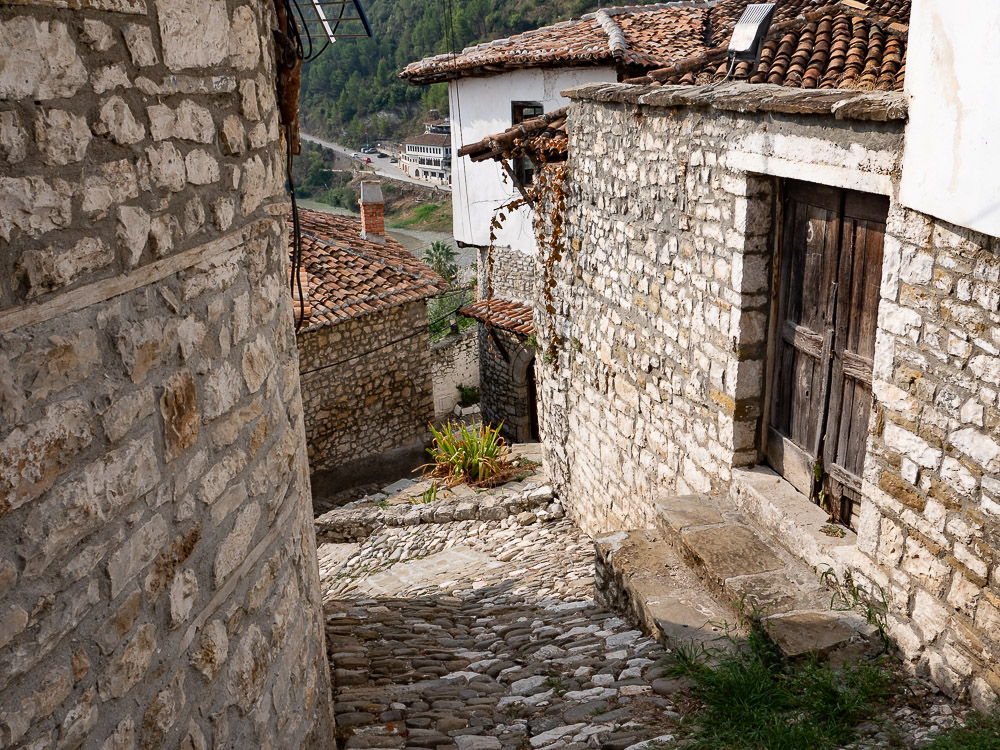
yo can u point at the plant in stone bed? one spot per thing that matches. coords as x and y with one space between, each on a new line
468 394
753 699
980 732
429 495
475 454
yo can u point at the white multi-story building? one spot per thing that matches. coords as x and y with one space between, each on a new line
428 157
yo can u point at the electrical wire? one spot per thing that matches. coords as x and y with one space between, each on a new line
296 263
304 53
421 332
453 48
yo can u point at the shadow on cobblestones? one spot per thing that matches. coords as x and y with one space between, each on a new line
463 649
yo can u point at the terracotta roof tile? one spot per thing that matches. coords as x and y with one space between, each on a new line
505 314
344 276
845 45
430 139
629 37
813 44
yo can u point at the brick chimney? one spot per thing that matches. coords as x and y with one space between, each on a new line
372 210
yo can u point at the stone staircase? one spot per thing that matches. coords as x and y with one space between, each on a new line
735 568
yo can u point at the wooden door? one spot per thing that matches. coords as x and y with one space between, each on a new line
830 274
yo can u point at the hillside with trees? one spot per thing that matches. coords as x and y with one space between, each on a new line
353 86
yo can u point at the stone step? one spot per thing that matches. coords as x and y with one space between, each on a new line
639 574
758 578
775 507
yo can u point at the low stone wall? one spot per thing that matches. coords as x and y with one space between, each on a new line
366 387
355 524
454 362
158 578
504 392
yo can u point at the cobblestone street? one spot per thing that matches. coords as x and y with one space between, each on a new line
485 635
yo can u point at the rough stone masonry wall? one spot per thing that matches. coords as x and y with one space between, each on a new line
514 273
663 299
158 580
454 362
931 536
373 395
503 394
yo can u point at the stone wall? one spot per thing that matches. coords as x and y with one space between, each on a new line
503 377
663 298
158 580
513 276
366 388
454 362
931 535
663 317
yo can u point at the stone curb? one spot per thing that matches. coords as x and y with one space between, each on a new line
356 524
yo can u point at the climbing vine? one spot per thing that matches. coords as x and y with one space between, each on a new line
547 195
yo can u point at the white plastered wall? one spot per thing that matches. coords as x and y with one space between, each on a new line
480 107
952 154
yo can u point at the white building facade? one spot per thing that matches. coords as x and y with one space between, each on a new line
428 157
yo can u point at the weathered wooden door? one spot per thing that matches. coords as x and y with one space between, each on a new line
830 274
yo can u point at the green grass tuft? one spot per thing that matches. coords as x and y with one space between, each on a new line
475 453
755 700
981 732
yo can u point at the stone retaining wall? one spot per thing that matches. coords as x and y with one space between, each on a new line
158 581
454 362
366 386
356 524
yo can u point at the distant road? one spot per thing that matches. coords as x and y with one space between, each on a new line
380 167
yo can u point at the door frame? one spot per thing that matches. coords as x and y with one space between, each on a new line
773 332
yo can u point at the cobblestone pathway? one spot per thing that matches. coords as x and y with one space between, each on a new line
484 635
491 641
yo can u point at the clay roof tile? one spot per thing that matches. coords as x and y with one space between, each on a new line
345 276
501 313
824 44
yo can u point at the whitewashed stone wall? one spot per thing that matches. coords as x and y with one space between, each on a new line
662 325
454 362
931 535
367 388
158 579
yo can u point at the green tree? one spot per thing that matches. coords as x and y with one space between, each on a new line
441 257
354 82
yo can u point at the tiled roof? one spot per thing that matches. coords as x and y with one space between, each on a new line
545 136
628 37
845 45
501 313
430 139
344 276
